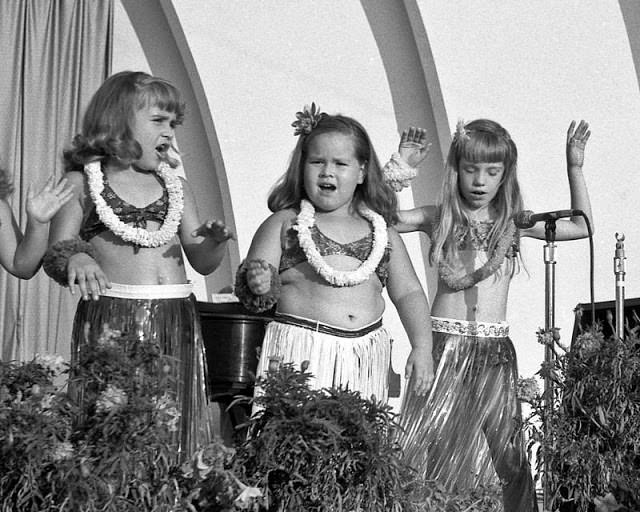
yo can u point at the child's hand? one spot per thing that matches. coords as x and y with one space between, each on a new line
215 229
576 142
258 277
420 368
42 206
413 146
85 273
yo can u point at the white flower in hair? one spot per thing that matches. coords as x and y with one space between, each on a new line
461 132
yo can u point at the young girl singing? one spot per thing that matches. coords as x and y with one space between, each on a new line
324 257
20 255
474 245
119 240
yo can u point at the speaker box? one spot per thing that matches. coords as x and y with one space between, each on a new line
605 316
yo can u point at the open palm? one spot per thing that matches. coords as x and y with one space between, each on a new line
42 206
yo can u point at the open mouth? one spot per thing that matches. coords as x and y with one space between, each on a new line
329 187
162 150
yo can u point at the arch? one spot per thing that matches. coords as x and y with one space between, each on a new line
165 46
631 15
406 55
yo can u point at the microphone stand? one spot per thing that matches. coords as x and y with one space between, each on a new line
619 270
549 326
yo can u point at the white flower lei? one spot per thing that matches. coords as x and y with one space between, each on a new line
136 235
306 219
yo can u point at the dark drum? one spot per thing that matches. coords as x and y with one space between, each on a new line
232 338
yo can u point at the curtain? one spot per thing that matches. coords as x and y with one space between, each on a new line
54 55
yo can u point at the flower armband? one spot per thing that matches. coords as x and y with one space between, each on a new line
56 259
397 173
253 302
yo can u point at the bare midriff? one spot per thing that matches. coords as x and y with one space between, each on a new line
304 293
484 302
124 264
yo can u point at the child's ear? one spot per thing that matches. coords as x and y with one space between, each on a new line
361 174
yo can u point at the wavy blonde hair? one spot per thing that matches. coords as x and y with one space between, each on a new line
482 140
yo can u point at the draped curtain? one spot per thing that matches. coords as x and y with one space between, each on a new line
54 55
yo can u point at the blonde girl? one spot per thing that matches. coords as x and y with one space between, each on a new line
466 431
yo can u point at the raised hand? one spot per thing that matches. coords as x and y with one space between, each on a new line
576 142
42 206
413 146
258 277
215 229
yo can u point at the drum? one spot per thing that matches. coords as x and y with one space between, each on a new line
232 339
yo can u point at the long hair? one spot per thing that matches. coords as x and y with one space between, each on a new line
6 185
106 127
483 140
373 192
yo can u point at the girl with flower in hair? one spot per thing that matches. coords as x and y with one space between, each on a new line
21 254
119 240
325 255
465 432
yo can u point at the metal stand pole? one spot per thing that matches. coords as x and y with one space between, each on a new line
619 269
549 326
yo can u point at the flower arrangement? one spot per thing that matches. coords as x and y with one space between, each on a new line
330 449
103 440
589 439
307 120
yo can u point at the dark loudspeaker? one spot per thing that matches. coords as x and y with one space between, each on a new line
605 316
232 339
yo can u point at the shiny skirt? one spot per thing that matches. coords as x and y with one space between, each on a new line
466 433
173 323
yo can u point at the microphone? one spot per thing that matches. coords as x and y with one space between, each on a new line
526 218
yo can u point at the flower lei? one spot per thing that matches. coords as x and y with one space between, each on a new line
306 219
457 282
307 120
138 236
397 173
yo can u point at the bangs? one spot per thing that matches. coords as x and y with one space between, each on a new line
163 95
484 146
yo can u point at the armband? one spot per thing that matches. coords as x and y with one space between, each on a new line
251 301
56 259
397 173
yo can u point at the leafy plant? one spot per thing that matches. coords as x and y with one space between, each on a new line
107 444
332 450
589 438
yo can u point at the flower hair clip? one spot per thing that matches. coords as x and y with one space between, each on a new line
307 120
460 133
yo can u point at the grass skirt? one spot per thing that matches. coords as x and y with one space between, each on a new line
466 432
358 360
173 323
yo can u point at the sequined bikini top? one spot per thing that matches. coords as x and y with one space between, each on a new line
475 237
127 213
292 254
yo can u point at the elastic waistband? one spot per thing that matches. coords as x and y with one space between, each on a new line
149 291
467 328
314 325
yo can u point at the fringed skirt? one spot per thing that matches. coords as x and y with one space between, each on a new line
166 315
354 359
466 432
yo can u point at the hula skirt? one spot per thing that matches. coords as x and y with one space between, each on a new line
466 432
167 315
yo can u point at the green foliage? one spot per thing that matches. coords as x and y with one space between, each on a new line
331 450
108 444
590 437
